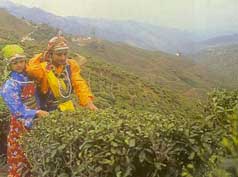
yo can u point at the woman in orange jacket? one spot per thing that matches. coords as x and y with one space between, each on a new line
58 76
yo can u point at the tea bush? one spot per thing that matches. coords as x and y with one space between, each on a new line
120 143
222 112
227 163
4 127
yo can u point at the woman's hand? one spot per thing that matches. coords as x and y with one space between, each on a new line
91 106
41 113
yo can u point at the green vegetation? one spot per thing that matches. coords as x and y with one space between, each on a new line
114 87
4 127
114 142
222 112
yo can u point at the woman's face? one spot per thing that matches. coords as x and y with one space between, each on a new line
18 65
59 57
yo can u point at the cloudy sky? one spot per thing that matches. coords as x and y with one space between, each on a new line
184 14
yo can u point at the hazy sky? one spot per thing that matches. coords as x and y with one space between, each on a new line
183 14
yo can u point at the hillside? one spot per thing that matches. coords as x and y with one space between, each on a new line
112 84
175 73
222 60
12 28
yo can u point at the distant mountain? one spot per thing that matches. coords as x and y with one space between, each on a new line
146 36
222 60
219 41
130 32
222 40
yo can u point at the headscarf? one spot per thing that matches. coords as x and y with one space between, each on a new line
9 53
55 44
12 52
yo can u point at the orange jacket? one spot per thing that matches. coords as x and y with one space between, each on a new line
36 70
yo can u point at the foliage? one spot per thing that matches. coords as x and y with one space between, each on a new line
114 87
115 142
4 127
222 112
119 143
230 142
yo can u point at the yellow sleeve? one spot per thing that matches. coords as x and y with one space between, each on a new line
79 84
36 59
34 68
